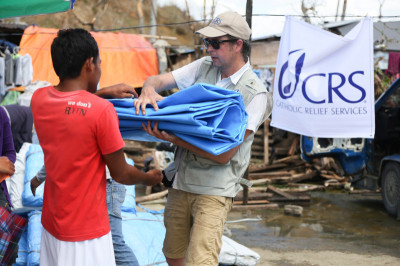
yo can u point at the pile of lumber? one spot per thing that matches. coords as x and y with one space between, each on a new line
288 181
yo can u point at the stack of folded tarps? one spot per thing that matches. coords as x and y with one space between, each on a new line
209 117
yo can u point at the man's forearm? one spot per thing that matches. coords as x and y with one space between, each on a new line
223 158
160 83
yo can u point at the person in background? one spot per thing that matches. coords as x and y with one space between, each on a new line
204 185
7 168
79 135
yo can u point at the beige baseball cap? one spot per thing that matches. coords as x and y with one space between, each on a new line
227 23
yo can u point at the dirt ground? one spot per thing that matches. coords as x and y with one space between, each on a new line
323 258
335 229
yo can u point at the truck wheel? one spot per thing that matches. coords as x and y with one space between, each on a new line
391 187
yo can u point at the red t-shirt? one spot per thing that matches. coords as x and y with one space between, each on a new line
75 129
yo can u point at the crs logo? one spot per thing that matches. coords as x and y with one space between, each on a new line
287 91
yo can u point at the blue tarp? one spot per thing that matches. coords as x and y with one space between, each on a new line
209 117
129 204
22 249
34 162
144 234
34 237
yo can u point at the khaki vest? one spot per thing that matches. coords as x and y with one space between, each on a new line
199 175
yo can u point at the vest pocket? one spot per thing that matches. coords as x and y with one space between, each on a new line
200 171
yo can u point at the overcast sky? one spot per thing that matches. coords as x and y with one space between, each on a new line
269 25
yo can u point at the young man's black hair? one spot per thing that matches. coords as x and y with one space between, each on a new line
69 51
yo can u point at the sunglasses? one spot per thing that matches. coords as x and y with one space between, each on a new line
216 43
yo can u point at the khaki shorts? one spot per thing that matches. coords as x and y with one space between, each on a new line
194 224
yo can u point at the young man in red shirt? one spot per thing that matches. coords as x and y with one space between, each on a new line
78 132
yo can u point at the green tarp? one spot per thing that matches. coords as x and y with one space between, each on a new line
19 8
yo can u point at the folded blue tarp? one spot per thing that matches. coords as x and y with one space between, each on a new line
209 117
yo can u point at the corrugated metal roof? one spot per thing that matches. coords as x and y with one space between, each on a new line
386 34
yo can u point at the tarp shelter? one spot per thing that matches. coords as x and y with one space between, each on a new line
21 8
125 58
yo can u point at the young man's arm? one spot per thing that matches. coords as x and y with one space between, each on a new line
120 171
127 174
119 91
38 179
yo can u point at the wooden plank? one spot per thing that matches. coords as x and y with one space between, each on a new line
304 176
294 145
239 202
331 175
280 192
265 167
266 141
284 179
270 206
288 159
257 189
263 181
254 196
152 196
303 188
254 176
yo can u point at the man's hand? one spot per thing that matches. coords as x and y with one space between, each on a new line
154 177
34 184
6 166
150 89
120 91
155 132
148 96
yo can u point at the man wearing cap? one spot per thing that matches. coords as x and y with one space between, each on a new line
204 185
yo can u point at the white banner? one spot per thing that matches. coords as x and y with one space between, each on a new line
324 83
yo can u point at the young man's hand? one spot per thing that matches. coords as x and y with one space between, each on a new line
6 166
34 184
154 177
118 91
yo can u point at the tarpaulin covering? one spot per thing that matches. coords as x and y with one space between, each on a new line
34 162
35 229
22 249
209 117
21 8
125 58
144 234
